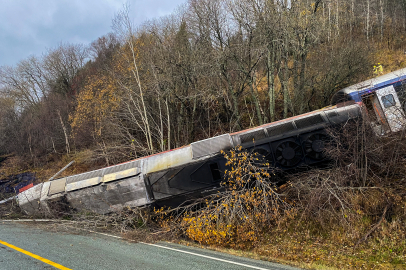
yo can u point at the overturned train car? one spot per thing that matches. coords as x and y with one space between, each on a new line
172 177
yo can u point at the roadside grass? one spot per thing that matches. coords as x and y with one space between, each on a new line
335 248
10 210
304 245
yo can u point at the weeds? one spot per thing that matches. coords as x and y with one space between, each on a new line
10 210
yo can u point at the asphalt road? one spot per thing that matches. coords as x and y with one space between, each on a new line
29 247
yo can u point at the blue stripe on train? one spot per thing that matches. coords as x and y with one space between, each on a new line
357 95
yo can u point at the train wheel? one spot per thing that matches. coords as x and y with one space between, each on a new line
288 153
314 146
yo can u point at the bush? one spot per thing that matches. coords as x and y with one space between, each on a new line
249 205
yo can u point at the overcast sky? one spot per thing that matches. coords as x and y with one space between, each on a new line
30 27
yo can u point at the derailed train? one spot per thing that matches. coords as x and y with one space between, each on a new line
174 176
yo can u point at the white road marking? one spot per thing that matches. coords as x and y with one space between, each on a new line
187 252
106 234
208 257
183 251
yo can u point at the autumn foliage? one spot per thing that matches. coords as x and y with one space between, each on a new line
214 67
249 205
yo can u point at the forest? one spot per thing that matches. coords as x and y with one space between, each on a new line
212 67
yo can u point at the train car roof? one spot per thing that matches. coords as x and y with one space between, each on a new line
354 92
377 82
284 120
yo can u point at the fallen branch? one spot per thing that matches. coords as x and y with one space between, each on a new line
363 239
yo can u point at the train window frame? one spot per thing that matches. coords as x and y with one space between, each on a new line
388 101
215 172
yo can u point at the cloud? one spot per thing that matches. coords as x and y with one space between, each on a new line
31 27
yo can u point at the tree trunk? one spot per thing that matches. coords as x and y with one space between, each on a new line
192 121
367 15
337 19
169 124
284 81
302 81
235 107
256 101
382 20
271 82
65 132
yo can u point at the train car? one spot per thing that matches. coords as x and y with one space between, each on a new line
383 99
175 176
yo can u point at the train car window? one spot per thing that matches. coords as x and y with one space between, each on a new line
309 121
388 101
215 172
280 129
401 92
252 136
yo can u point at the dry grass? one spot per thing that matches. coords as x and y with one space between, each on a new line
305 242
50 165
10 210
390 59
12 164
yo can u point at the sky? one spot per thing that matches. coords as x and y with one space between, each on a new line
31 27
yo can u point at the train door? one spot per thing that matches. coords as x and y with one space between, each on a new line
391 107
375 113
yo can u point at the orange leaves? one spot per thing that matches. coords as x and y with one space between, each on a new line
238 216
202 231
98 99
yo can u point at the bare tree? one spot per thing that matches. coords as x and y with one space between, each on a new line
125 31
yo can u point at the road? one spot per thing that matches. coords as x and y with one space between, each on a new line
30 247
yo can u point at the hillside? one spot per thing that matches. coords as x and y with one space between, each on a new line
212 68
